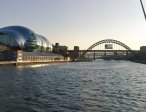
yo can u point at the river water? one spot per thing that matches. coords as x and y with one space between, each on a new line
100 86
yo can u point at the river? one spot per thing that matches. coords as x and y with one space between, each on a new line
100 86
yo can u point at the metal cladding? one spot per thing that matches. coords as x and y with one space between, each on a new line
20 35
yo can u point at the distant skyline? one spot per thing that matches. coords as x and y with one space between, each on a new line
79 22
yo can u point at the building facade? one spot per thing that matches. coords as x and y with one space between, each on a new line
60 49
22 45
34 57
21 38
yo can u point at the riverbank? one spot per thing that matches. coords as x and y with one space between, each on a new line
3 63
14 63
139 61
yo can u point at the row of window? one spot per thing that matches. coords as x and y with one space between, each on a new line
41 58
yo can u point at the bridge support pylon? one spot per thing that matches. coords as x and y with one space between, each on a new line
94 57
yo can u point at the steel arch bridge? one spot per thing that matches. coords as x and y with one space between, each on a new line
128 49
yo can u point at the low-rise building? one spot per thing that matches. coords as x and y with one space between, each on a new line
142 53
60 49
23 56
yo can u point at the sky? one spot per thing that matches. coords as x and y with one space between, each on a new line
79 22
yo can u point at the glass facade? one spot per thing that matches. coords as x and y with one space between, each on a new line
6 40
24 39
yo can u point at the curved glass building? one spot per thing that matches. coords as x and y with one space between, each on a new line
18 37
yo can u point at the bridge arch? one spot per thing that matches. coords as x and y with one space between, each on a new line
106 41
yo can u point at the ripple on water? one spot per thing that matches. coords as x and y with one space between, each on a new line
117 86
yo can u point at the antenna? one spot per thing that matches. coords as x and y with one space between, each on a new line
143 9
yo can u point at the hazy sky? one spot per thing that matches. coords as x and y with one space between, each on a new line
79 22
